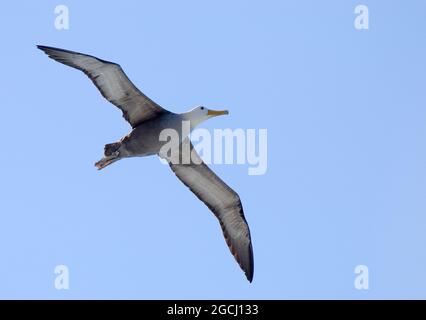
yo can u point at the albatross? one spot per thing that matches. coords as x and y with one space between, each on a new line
148 120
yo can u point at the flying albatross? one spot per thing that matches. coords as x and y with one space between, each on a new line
148 120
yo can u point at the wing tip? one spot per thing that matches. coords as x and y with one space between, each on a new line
250 270
43 48
48 50
249 277
245 258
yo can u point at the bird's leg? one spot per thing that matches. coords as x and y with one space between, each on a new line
105 161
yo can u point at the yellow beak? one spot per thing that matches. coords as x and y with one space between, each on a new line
217 113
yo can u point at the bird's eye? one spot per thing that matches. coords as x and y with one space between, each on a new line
202 108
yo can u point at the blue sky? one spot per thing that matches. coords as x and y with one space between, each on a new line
346 180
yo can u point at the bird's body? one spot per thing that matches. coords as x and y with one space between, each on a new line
149 121
144 139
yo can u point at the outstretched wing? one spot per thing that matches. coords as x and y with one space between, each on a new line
112 82
222 201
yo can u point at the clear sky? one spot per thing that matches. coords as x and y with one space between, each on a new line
345 111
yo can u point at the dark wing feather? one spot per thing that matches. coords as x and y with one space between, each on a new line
223 202
112 82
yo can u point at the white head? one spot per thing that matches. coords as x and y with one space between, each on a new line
201 114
